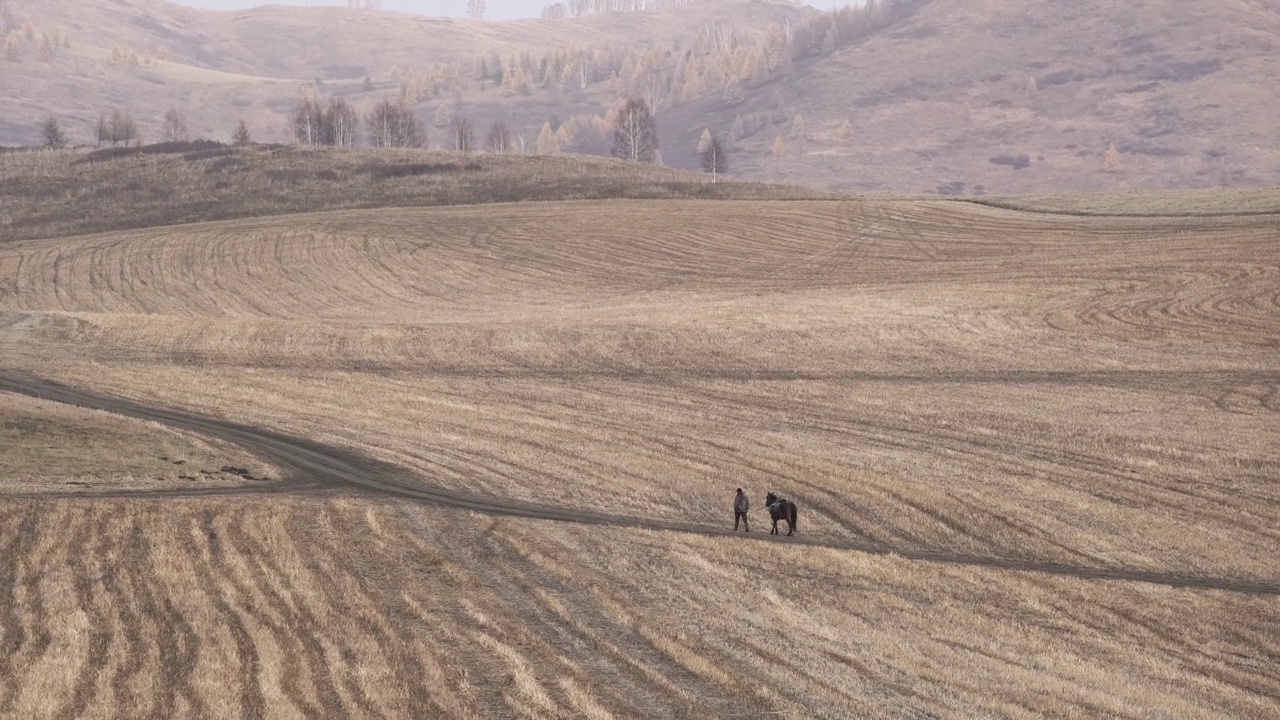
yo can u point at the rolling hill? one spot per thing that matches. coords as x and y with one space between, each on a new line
476 461
1024 96
221 66
949 97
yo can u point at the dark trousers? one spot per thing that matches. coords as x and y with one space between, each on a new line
743 517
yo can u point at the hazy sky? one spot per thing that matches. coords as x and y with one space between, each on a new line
495 9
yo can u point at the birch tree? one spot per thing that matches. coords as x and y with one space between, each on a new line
636 136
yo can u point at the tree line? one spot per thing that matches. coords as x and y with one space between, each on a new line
392 124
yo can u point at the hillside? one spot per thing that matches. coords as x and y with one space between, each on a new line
1024 96
47 194
937 96
221 66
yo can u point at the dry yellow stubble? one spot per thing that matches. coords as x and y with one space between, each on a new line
990 388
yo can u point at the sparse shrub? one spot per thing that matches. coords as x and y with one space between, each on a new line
1017 162
384 171
285 176
51 133
224 164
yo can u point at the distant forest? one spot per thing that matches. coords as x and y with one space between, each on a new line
494 9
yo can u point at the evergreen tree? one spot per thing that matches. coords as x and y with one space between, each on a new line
241 134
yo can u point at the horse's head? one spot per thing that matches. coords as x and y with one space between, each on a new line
770 499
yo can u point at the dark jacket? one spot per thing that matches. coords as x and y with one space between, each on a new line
740 503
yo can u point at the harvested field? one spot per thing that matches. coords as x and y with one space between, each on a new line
1036 457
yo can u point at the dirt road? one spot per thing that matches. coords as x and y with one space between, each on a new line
314 466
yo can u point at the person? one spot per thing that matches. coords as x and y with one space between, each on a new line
740 508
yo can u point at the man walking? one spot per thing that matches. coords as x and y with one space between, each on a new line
740 508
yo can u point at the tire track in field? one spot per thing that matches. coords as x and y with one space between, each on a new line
93 539
135 651
291 633
37 559
341 468
179 645
12 633
252 700
625 664
296 615
407 666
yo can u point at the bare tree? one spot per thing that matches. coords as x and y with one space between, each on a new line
340 124
308 122
174 127
712 157
463 138
51 133
475 8
392 124
636 135
121 128
498 141
241 134
648 84
103 129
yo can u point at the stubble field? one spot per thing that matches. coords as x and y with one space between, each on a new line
1035 456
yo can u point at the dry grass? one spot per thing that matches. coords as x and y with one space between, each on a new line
970 381
46 194
53 448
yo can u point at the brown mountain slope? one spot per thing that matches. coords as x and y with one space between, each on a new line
220 66
1022 96
953 97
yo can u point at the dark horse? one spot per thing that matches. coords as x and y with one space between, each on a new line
780 509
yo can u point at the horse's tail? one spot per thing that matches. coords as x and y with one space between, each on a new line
794 514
